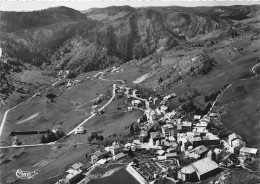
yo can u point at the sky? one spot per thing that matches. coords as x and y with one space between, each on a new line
30 5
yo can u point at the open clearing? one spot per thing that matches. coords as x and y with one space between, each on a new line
61 112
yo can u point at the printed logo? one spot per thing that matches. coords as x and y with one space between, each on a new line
24 174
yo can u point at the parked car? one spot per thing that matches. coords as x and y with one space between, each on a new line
80 130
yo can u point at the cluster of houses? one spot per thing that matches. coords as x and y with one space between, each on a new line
74 174
168 136
63 82
171 135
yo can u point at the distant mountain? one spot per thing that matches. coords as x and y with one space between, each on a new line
14 21
94 39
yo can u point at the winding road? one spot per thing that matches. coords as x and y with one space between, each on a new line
83 122
87 119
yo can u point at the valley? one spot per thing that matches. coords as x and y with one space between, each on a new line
81 70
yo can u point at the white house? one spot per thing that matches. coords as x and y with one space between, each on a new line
135 103
235 141
201 127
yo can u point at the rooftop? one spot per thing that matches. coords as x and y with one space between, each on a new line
76 166
249 150
204 165
200 149
186 123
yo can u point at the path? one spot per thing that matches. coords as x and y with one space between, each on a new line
252 70
113 96
6 113
218 97
27 119
2 101
113 80
28 145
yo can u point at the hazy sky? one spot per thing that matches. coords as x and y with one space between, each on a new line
29 5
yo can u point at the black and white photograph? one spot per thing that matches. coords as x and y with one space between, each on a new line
129 92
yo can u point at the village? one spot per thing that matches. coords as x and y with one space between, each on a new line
164 144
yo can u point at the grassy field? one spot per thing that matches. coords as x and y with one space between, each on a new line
128 75
49 162
241 103
108 124
61 112
120 177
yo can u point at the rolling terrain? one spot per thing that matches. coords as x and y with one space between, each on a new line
194 52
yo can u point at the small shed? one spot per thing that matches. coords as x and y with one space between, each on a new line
248 152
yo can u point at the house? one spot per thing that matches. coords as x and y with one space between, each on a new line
136 103
206 119
115 148
97 155
76 166
161 157
163 108
188 173
201 127
94 108
201 151
118 156
156 138
85 181
143 133
170 115
171 155
197 117
170 96
154 100
186 126
15 140
172 149
74 176
227 159
248 152
150 115
169 130
185 140
236 141
199 170
170 142
129 108
213 115
134 92
208 139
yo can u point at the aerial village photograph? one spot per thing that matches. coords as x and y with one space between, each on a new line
129 92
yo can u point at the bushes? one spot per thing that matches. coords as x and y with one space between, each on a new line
95 136
51 136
